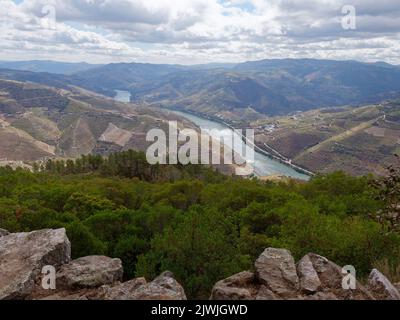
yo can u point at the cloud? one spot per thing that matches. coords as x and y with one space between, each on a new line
199 31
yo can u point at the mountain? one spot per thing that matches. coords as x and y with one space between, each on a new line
357 140
39 122
267 87
48 66
123 76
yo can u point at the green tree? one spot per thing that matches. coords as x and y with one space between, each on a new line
199 251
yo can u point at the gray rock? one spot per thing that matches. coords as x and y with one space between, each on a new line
23 255
3 233
60 297
321 296
265 294
381 287
123 291
331 277
90 272
276 278
238 287
309 280
275 269
164 287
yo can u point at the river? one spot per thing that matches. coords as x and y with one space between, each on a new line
263 165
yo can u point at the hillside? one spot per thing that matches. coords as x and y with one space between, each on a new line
38 122
357 140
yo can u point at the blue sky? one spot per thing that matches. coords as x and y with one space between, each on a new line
197 31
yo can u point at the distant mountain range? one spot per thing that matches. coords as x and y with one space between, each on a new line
243 91
267 87
48 66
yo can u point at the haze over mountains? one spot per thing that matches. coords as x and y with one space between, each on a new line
47 66
245 90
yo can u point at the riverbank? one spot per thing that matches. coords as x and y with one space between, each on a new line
257 148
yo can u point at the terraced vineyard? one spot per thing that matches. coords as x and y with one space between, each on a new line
357 140
39 122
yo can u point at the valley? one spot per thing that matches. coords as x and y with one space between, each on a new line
40 122
316 115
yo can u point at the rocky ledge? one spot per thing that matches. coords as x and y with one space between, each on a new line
23 257
276 276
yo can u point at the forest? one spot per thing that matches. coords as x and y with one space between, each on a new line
202 225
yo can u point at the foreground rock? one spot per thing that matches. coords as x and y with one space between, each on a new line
275 276
164 287
381 287
276 270
309 279
331 277
23 255
314 278
3 233
242 286
89 272
123 291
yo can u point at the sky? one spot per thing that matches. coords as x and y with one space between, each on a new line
199 31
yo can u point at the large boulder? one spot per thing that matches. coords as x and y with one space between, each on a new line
89 272
381 287
331 278
23 255
3 233
309 280
123 291
164 287
275 268
240 286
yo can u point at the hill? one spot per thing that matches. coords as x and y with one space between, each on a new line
357 140
38 122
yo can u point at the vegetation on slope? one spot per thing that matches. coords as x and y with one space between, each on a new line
356 140
199 224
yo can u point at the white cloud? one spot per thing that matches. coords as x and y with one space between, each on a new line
199 31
